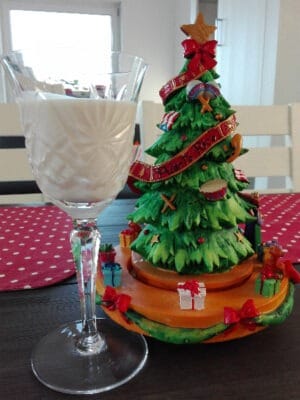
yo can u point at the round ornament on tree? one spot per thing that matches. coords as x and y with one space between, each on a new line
214 190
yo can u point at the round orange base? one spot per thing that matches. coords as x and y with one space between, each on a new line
161 278
154 296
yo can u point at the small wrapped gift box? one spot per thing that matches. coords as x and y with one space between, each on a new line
107 253
267 287
112 274
127 236
191 295
107 256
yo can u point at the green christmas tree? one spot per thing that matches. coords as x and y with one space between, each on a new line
191 204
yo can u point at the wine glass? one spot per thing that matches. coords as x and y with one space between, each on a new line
78 128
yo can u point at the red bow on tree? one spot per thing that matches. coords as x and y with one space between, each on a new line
244 316
203 54
115 301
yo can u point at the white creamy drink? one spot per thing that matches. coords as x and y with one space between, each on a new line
80 149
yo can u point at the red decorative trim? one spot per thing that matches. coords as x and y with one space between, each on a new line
202 60
179 81
141 171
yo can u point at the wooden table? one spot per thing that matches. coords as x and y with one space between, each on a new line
263 366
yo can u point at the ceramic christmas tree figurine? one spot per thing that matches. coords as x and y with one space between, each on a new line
194 267
191 204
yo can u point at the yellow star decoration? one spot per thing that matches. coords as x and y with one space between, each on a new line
198 31
239 236
155 239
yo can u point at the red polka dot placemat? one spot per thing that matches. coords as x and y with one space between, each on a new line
281 221
34 247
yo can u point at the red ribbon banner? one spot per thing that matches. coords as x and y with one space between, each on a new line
141 171
202 59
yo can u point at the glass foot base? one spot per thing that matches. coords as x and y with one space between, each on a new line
60 366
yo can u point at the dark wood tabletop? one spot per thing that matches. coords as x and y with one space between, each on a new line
262 366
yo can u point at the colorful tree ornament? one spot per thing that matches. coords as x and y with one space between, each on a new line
204 92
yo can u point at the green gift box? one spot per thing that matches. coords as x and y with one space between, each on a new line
267 287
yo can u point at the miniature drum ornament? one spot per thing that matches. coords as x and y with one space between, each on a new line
212 90
214 190
196 88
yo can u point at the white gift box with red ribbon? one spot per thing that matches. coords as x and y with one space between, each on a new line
191 295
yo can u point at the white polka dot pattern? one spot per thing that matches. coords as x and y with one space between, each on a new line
30 256
34 253
281 221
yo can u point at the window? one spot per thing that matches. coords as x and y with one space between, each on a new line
83 31
79 36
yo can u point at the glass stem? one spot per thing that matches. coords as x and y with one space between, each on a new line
85 242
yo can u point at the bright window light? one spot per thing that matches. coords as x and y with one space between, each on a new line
46 36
